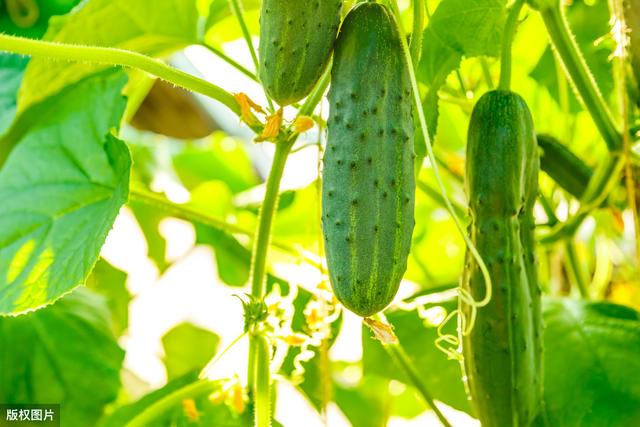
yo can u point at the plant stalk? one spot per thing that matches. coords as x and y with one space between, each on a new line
117 57
577 68
262 389
220 54
263 237
507 44
577 271
417 32
397 353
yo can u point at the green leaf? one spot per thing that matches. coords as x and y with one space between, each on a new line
470 27
591 357
441 376
64 354
11 70
127 24
45 9
121 416
219 10
149 219
209 414
591 364
457 29
188 348
292 224
110 282
61 187
232 258
365 404
219 158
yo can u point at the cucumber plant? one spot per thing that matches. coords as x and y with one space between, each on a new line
398 104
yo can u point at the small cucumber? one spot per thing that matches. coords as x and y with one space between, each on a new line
564 167
296 39
368 182
503 352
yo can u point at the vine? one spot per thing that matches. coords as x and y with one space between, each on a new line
464 325
263 235
117 57
507 42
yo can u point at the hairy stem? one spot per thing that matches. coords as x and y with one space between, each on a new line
507 42
265 219
263 233
580 75
262 387
117 57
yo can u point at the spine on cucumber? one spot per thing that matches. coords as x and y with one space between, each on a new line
296 40
368 183
503 352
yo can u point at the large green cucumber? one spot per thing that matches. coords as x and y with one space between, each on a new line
296 39
503 352
368 192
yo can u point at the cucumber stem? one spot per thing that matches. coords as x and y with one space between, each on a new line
117 57
416 34
486 72
577 68
236 9
507 42
262 390
400 356
269 205
577 271
220 54
263 236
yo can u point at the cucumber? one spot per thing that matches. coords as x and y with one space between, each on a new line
503 352
564 167
368 192
296 40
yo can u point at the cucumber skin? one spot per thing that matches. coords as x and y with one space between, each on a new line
368 193
296 40
503 352
563 166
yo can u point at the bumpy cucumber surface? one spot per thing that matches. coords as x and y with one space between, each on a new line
503 353
296 39
368 183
